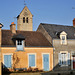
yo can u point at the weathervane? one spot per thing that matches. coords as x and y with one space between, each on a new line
24 3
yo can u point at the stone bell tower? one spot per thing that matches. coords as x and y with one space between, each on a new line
24 20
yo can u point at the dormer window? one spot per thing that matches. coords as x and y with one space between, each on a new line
19 39
20 45
63 37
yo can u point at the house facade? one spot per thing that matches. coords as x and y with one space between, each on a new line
62 39
25 48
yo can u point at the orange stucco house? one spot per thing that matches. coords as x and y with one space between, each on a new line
24 48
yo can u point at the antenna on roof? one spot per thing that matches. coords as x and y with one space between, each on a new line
24 3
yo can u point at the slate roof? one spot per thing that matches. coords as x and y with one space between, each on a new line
32 39
53 30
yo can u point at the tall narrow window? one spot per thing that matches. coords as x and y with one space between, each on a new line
27 20
63 39
23 19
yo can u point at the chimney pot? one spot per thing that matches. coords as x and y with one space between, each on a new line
12 23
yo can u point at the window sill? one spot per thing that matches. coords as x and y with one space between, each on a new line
64 65
33 66
20 50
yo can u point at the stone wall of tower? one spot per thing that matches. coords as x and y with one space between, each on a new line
25 26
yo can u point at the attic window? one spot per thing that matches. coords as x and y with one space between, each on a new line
20 45
63 37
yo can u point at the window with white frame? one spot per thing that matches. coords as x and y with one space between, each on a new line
64 59
20 45
63 37
32 60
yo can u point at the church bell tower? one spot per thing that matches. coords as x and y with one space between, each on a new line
24 20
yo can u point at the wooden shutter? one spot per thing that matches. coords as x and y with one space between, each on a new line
68 59
7 61
60 58
32 60
46 62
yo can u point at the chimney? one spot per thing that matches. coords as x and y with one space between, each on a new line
74 22
13 28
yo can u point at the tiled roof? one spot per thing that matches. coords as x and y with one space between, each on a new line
54 29
32 39
18 36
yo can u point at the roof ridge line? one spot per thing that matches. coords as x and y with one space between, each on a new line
54 24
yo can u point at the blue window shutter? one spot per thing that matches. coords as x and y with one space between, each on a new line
31 60
46 62
60 58
68 60
65 59
7 61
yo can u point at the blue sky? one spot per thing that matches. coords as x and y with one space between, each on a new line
44 11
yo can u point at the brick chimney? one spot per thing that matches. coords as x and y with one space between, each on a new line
74 22
13 28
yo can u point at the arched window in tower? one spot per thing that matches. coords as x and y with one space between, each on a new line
27 20
23 19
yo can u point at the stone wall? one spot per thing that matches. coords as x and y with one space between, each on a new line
70 47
